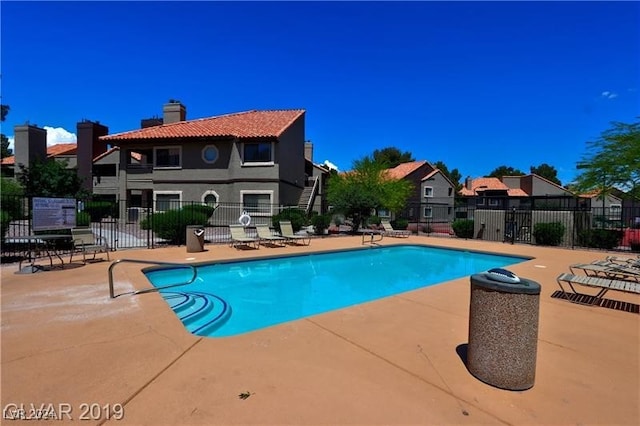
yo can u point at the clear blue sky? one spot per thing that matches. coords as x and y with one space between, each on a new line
476 85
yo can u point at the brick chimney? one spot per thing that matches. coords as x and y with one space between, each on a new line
89 147
173 112
30 145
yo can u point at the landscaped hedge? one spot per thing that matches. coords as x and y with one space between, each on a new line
400 224
199 209
463 228
83 218
548 234
100 209
172 224
600 238
297 217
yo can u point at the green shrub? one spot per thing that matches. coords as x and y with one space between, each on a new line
99 209
172 224
5 220
297 217
12 198
400 224
320 223
600 238
548 234
463 228
83 218
373 220
199 209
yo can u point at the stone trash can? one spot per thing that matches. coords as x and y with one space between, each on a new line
503 331
195 238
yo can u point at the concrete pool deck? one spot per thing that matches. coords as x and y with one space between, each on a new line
398 360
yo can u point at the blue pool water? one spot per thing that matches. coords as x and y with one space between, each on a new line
238 297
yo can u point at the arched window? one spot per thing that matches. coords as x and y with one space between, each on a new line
211 198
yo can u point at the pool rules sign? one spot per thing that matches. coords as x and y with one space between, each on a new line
53 213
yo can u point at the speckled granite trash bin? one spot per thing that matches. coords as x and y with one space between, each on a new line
503 332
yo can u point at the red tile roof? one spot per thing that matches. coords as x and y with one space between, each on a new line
248 124
491 184
403 170
52 151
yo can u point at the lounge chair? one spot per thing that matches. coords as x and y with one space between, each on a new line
607 270
239 238
286 230
604 284
391 232
86 242
266 237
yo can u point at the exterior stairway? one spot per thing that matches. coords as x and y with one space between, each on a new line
308 193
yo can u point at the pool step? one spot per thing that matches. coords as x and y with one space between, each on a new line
201 313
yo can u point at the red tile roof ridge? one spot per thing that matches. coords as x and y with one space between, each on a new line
154 132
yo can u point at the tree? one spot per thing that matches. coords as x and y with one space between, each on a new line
613 160
546 171
4 141
454 175
505 171
359 192
391 157
51 178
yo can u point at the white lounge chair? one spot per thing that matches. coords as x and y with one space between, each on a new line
266 237
286 230
239 238
604 284
391 232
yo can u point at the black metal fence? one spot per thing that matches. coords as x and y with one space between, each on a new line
609 228
125 226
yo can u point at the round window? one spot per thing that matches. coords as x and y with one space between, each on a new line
210 154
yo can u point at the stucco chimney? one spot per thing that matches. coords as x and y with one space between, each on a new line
308 151
468 182
30 145
89 147
174 112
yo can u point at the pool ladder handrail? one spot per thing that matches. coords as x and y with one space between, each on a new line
149 262
371 234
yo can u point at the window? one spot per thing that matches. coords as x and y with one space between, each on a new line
450 191
166 200
210 198
449 211
615 210
256 203
210 154
384 213
428 191
494 202
428 212
167 156
257 153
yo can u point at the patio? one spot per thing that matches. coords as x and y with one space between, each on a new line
393 361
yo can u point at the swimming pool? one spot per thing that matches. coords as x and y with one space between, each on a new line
238 297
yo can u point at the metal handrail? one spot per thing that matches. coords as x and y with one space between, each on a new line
314 189
378 237
149 262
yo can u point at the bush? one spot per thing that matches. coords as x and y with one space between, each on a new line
548 234
83 218
600 238
5 220
172 224
400 224
373 220
463 228
297 217
320 223
99 209
199 209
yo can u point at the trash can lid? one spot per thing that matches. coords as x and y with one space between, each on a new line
505 281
